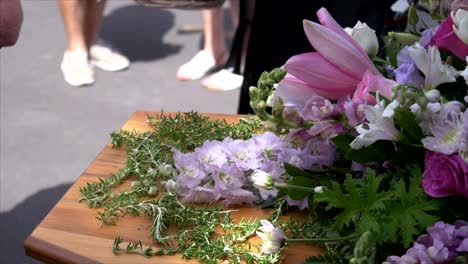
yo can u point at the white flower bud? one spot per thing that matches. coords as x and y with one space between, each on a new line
171 186
262 179
153 190
318 189
433 95
366 37
460 24
272 237
165 170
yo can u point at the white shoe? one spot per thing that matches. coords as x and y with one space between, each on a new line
223 80
76 69
202 63
106 58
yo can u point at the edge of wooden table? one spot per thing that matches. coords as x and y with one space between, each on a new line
48 241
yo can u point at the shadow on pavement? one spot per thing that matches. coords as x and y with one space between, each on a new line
17 224
138 32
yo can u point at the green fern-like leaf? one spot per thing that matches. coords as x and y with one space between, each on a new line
327 258
409 211
360 201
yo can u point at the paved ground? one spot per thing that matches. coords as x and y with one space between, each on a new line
50 131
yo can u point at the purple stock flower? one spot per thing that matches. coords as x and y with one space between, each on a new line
426 37
301 204
212 153
318 153
244 154
191 172
269 144
228 177
317 108
238 196
202 194
354 112
441 245
407 71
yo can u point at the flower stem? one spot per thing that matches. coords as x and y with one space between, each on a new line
320 240
288 186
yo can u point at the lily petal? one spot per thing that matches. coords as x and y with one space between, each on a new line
296 92
337 50
327 21
316 71
293 92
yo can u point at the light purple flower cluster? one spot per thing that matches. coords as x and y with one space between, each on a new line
218 169
442 244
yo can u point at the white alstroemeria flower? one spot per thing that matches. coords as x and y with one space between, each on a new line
430 63
460 24
365 37
380 125
272 237
465 72
262 179
448 132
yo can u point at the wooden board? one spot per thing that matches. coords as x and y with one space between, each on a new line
70 233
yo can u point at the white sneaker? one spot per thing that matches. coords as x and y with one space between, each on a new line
223 80
106 58
76 69
201 64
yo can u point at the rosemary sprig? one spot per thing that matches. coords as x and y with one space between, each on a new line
193 231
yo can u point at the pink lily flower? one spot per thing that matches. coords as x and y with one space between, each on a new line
337 66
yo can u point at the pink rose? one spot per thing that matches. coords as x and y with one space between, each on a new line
444 175
372 83
445 38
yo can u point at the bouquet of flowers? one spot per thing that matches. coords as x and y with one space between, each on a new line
388 138
375 149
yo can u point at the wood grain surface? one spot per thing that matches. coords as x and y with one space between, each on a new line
70 233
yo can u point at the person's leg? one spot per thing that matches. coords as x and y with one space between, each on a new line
75 66
93 20
73 14
214 52
231 78
102 55
213 25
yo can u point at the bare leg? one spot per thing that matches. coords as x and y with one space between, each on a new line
93 20
214 34
234 6
73 13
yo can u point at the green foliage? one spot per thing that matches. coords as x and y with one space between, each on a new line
397 214
392 47
326 258
364 250
408 124
360 200
176 228
408 210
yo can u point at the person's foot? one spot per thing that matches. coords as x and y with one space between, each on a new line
76 69
201 64
106 58
223 80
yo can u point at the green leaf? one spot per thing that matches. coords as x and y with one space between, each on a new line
360 202
406 120
342 143
368 154
300 181
392 47
295 171
327 258
409 212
